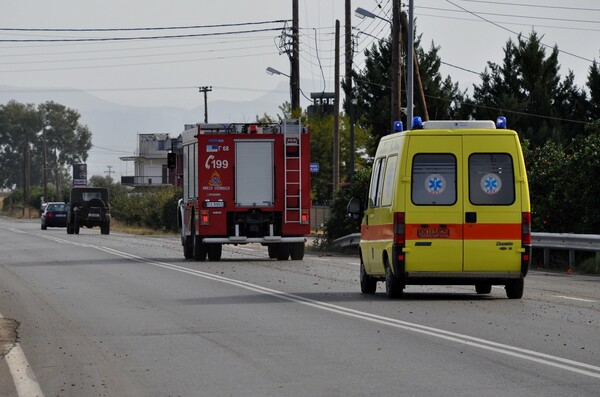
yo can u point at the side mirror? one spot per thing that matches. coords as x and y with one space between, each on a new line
354 208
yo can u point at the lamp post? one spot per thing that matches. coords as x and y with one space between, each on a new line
396 58
273 71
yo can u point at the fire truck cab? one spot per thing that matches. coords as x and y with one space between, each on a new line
245 183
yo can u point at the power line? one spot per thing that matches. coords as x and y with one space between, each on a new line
515 33
224 25
511 15
533 5
101 39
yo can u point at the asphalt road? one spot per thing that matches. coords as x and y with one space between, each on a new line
124 315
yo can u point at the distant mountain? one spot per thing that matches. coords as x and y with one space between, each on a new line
115 127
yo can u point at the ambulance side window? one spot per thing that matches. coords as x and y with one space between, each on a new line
491 179
433 179
389 181
376 181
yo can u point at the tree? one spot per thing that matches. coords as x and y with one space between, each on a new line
593 85
21 138
19 124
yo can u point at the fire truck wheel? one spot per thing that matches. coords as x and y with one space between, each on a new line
296 251
272 251
199 249
214 251
188 248
283 252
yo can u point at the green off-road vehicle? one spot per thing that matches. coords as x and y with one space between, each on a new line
88 207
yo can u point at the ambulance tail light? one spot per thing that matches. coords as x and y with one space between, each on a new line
204 217
399 228
526 228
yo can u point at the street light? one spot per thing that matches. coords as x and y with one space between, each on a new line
273 71
396 56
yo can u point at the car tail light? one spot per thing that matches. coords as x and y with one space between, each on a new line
399 228
49 215
526 228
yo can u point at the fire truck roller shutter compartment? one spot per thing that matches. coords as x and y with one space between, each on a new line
254 173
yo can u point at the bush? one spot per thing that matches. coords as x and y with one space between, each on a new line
339 223
154 209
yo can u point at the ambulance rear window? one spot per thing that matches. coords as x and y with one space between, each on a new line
491 179
434 179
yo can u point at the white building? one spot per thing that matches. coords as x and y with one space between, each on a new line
150 161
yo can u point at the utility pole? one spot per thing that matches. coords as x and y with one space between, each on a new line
349 92
110 171
336 112
417 75
396 111
295 61
45 173
205 90
26 169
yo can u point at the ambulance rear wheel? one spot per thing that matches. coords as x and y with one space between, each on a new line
514 288
283 252
199 249
482 289
393 285
297 251
214 251
368 285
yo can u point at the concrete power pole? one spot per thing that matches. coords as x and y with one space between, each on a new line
295 61
205 90
349 92
336 112
396 111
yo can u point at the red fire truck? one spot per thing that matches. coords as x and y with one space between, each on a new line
245 183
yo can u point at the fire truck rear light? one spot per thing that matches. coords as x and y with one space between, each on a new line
204 217
304 217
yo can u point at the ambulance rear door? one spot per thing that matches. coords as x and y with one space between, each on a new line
434 207
492 204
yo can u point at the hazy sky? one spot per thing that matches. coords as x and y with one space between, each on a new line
167 71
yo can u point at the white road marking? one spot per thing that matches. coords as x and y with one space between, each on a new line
21 372
576 299
514 351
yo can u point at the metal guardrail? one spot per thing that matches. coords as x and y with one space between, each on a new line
546 241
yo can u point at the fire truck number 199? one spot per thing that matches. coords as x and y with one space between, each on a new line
212 163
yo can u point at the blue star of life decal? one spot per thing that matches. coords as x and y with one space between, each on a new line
491 183
435 184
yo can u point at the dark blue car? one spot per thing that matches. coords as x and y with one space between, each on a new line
54 215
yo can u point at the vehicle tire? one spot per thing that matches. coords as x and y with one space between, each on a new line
44 227
199 249
296 251
105 229
514 288
283 251
272 251
188 248
368 285
214 251
483 288
393 286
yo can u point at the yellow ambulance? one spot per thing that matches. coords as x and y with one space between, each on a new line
448 204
